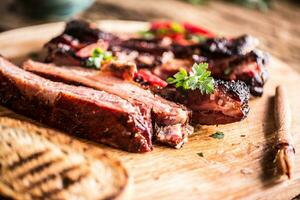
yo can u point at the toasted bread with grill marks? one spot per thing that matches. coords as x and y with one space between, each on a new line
39 163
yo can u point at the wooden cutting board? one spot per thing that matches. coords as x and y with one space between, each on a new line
236 167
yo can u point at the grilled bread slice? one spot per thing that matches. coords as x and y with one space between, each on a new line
39 163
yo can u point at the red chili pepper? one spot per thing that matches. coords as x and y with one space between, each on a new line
150 78
180 39
88 50
198 30
160 25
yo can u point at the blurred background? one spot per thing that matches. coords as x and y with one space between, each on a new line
275 22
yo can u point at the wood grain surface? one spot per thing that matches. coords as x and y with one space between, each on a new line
240 166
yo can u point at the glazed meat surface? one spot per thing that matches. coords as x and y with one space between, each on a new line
229 59
170 120
229 102
234 59
237 59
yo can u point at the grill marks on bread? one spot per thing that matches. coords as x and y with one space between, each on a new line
32 167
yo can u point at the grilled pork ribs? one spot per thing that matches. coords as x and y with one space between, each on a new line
229 59
127 103
228 103
117 113
81 111
170 120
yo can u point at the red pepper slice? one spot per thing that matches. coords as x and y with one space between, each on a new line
150 78
160 25
180 38
198 30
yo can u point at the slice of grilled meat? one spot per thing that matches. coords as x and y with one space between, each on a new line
224 47
249 68
237 59
77 35
81 111
40 163
170 120
229 59
228 103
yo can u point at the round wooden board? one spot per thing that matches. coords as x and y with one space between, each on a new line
237 167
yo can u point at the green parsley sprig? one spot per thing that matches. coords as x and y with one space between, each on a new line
199 78
175 28
98 56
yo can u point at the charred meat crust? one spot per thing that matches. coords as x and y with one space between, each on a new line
223 54
223 47
77 34
233 97
235 89
237 60
249 68
228 103
86 32
235 56
152 46
80 111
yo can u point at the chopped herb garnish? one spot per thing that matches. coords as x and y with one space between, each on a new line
98 56
200 154
197 38
147 34
217 135
162 31
198 78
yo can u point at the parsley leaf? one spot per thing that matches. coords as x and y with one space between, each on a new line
197 38
217 135
147 34
198 78
98 56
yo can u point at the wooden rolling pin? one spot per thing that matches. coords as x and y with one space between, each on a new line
285 150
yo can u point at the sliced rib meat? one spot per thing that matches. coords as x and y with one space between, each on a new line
81 111
249 68
229 58
206 108
237 59
165 114
228 103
